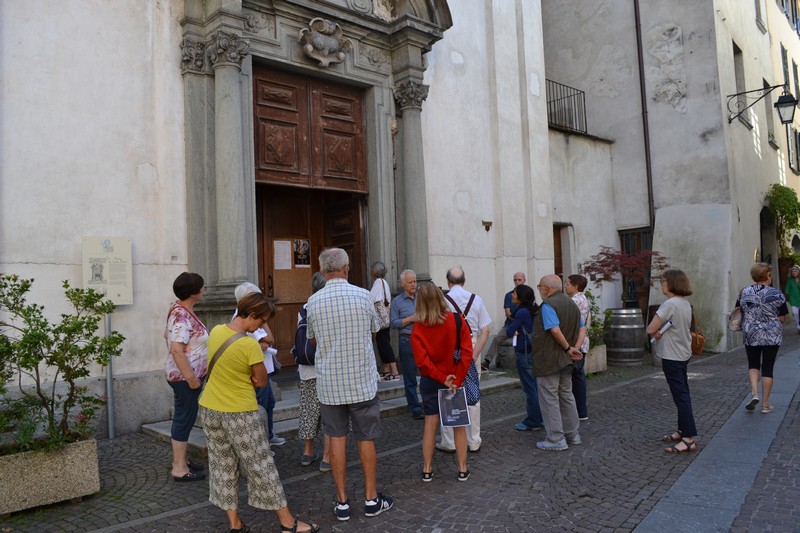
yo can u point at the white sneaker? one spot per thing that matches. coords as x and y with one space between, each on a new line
276 440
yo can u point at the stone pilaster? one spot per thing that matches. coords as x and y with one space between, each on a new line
225 53
409 96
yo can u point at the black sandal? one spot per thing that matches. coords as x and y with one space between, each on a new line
671 437
293 529
243 529
691 446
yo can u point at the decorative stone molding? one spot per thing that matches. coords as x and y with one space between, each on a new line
227 49
192 60
255 23
410 94
323 41
374 56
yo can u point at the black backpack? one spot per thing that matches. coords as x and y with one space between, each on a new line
303 350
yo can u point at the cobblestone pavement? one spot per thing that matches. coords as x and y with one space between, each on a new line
609 483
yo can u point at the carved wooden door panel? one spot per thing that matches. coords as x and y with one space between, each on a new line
308 132
337 138
282 146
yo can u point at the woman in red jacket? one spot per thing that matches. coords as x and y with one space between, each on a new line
433 342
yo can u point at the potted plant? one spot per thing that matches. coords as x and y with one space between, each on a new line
625 337
47 424
596 358
784 206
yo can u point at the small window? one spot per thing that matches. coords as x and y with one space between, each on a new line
796 82
785 60
791 147
769 110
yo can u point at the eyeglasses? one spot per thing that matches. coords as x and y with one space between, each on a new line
540 286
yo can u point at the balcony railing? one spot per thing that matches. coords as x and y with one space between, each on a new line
566 107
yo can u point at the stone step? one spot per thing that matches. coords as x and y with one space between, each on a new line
286 414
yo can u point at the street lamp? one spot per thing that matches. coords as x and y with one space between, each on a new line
785 105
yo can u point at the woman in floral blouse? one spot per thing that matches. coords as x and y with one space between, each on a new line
187 364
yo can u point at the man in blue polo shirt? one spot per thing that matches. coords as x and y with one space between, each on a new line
402 315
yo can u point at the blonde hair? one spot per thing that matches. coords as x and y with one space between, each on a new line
431 306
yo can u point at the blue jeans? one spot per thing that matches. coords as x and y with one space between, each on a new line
266 399
525 370
409 374
678 381
579 387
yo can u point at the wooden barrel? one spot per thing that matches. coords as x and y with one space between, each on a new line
625 338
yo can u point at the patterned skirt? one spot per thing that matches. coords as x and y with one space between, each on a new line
234 439
310 416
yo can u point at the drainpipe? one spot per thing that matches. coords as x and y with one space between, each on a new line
645 122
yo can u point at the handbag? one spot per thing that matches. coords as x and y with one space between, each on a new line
472 383
735 319
382 308
698 339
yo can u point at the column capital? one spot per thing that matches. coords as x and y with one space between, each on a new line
192 60
410 94
227 49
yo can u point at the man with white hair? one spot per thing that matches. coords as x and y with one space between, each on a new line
471 306
402 315
341 322
263 335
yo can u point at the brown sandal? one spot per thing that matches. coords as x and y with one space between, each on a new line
672 438
691 446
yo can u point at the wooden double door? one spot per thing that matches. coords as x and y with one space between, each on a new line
310 187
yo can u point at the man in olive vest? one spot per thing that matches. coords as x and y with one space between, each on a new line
558 333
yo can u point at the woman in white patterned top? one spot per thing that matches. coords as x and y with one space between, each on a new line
763 313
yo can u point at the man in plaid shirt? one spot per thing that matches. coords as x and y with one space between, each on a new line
342 321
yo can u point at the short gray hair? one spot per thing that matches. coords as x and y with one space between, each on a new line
378 269
244 289
317 282
333 260
404 272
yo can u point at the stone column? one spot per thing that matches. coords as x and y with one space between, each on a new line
199 118
409 96
226 52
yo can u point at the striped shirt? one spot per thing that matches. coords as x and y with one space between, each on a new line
342 318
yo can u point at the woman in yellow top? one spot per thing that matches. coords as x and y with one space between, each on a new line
232 425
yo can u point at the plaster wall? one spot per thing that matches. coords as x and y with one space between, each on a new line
592 47
752 163
92 144
582 169
485 136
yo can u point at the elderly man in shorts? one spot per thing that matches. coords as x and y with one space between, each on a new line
342 321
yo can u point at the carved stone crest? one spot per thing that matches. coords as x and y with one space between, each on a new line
324 41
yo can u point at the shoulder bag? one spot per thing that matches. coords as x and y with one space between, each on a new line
233 338
736 316
471 384
382 308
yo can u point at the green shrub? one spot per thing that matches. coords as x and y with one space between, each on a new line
52 407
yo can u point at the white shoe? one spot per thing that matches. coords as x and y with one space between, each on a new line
276 440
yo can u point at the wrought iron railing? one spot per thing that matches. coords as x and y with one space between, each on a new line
566 107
